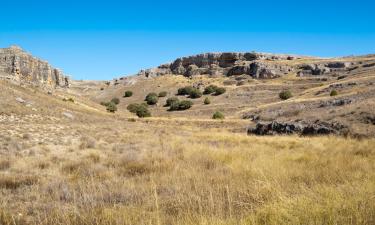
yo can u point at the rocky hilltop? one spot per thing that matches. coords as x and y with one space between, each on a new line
257 65
22 67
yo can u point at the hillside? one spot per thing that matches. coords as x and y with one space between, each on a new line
65 160
253 97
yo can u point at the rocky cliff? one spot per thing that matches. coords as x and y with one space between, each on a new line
257 65
20 66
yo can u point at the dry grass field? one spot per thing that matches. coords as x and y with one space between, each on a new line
65 160
151 172
99 168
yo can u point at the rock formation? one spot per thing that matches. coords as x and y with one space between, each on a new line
257 65
20 66
301 128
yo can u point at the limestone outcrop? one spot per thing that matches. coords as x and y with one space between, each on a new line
257 65
18 65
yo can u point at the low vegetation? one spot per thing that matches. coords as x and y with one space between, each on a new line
207 101
284 95
333 93
115 100
171 100
128 94
215 90
152 98
141 110
180 105
218 115
111 107
162 94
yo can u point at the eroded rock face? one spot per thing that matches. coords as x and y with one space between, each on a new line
324 68
23 67
225 64
300 128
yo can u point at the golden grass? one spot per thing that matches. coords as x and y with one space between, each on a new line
146 173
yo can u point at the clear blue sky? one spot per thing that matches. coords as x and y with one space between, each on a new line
106 39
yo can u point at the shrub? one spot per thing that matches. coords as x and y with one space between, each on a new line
68 99
134 106
218 115
195 93
152 98
104 103
219 91
171 100
162 94
210 89
180 105
207 101
333 93
142 111
115 100
128 94
284 95
185 90
111 107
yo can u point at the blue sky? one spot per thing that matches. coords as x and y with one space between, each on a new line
106 39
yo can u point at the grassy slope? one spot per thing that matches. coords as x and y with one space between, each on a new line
100 168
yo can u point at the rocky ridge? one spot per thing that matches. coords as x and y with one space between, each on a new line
256 65
22 67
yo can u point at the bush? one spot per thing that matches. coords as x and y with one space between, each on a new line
134 106
185 90
219 91
207 101
68 99
115 100
142 111
333 93
152 98
218 115
104 103
284 95
210 89
195 93
171 100
111 107
180 105
128 94
162 94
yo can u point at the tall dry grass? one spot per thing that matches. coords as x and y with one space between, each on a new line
161 175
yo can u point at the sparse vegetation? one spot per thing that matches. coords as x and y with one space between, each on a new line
70 99
210 89
185 90
215 90
152 98
162 94
142 111
111 107
195 93
171 100
218 115
284 95
333 93
128 94
207 101
219 91
115 100
181 105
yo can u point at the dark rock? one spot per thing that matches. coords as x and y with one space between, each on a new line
336 102
301 128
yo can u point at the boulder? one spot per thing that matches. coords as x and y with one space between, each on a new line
300 128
